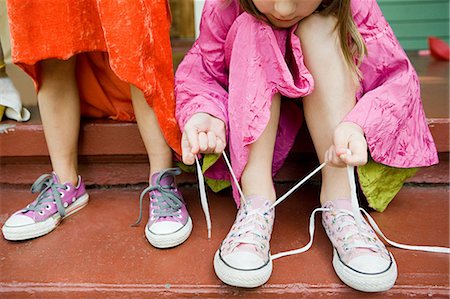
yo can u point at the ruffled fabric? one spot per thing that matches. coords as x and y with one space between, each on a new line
121 43
238 64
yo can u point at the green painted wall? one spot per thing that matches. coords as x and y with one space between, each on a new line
414 20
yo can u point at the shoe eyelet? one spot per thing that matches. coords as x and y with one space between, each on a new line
41 212
74 199
179 216
65 204
54 201
61 194
67 188
48 207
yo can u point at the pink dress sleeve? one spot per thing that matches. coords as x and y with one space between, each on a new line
202 77
389 108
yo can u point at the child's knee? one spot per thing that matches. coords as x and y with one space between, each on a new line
317 30
58 67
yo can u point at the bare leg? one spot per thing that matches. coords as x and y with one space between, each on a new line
159 152
59 107
332 99
257 175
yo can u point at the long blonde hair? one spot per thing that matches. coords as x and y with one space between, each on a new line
353 46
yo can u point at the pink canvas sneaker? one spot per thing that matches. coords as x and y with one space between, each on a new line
360 259
243 259
55 202
169 222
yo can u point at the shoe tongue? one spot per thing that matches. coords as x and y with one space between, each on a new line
55 178
165 181
247 248
342 204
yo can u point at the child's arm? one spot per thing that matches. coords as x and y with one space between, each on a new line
201 84
389 109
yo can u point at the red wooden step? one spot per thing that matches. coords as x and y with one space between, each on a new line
95 253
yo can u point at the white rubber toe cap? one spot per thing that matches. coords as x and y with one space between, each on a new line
18 220
243 260
165 227
369 264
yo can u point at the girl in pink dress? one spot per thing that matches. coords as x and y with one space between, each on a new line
243 84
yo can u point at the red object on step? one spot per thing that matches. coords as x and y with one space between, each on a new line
439 49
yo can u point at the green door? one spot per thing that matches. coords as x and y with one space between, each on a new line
414 20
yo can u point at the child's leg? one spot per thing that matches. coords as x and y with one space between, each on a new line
243 257
332 98
59 106
169 224
159 152
65 194
359 258
257 175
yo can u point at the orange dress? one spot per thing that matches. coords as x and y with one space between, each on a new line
118 43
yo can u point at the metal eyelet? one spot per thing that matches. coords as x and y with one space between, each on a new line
61 194
48 207
67 188
65 204
74 199
41 212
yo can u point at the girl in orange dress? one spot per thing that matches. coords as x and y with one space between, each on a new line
99 58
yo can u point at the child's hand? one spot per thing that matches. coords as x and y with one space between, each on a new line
347 136
203 133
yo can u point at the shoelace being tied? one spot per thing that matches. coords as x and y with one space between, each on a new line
356 212
49 193
168 202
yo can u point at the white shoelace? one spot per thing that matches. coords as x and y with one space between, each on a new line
355 209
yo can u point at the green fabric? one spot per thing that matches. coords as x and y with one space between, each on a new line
215 185
208 161
380 183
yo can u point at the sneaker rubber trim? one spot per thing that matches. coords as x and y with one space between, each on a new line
169 240
34 230
365 282
241 278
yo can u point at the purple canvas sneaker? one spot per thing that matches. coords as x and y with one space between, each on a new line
360 259
243 259
169 222
55 202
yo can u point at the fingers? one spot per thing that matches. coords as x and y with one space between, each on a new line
186 150
203 133
358 153
349 147
332 158
203 141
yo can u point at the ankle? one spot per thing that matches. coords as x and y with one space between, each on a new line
65 178
258 200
